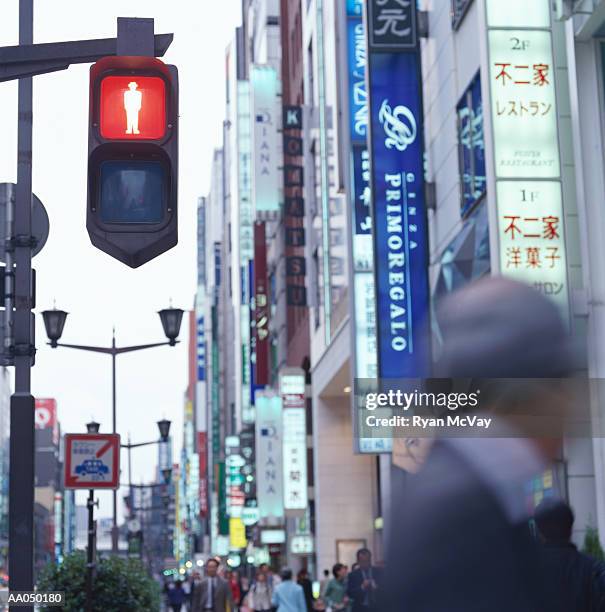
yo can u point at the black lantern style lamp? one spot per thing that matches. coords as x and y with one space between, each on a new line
171 322
54 322
164 427
93 427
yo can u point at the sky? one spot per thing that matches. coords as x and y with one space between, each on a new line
98 291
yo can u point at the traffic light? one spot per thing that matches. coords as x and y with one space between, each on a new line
133 158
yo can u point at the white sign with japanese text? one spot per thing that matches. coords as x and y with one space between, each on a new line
527 160
532 242
295 459
524 113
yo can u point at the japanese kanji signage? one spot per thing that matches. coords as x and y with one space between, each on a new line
92 461
269 464
292 390
526 147
261 307
524 113
392 24
532 243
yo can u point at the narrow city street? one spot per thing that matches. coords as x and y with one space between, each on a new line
302 306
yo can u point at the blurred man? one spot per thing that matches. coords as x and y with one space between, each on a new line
575 579
288 596
212 593
459 539
363 583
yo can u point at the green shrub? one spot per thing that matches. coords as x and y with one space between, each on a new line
592 545
120 584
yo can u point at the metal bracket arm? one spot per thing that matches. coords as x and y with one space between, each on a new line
21 61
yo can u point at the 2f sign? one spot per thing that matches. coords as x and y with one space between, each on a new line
519 45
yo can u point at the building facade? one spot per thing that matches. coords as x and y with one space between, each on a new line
373 162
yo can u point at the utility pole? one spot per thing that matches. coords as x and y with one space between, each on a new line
22 62
22 442
90 552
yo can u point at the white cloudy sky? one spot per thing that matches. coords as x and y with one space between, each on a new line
98 291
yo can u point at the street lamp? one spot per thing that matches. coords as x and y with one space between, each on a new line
54 322
164 430
93 427
171 322
164 427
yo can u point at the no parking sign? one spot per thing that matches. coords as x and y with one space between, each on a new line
92 461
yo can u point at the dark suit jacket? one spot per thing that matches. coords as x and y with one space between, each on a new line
452 547
222 595
358 595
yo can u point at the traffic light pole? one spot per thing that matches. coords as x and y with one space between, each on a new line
22 443
23 62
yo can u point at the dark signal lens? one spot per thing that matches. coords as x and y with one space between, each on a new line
132 192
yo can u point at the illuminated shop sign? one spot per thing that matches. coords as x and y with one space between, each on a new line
526 147
399 215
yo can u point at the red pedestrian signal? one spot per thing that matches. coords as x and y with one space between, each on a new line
133 108
133 158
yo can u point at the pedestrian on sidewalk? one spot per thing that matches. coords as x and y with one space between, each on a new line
335 594
177 596
461 540
288 596
364 583
305 582
260 594
576 580
212 593
232 578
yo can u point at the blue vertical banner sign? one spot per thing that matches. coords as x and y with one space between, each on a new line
397 186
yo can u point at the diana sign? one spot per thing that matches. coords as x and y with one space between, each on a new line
269 466
263 80
397 184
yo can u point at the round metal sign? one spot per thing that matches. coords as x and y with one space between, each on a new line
40 222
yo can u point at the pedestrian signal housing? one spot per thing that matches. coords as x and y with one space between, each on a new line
133 158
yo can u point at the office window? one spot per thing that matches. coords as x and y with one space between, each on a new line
471 146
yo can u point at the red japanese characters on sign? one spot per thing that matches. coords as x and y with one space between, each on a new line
522 83
532 247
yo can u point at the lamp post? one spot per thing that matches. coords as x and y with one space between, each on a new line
164 429
91 428
54 322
